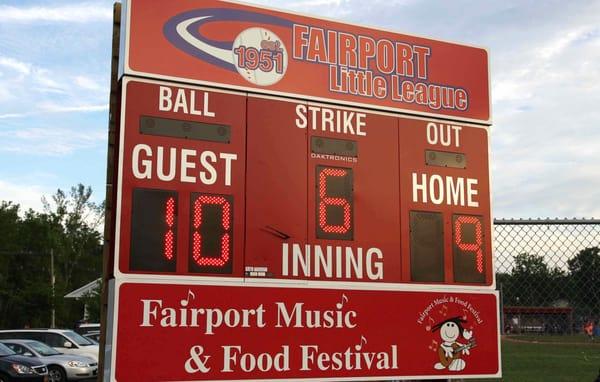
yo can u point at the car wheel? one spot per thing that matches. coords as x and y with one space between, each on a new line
56 374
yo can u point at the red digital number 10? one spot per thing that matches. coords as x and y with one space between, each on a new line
211 233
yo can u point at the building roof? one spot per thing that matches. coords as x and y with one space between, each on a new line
85 290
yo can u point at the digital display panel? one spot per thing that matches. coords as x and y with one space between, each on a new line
153 231
335 203
211 231
467 243
166 127
332 146
445 159
426 246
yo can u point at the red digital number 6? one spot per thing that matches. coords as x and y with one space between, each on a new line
326 201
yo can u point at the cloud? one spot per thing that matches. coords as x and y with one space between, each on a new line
50 141
315 3
49 107
88 83
555 62
555 47
26 195
80 13
13 115
328 8
44 82
20 67
57 108
20 75
28 89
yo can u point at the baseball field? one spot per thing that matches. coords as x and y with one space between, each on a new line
550 359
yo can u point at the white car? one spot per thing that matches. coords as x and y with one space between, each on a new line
65 341
61 367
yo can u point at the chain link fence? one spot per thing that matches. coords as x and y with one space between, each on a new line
548 274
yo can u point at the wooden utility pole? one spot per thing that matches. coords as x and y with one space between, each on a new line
111 157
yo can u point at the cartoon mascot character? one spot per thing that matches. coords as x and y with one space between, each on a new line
451 351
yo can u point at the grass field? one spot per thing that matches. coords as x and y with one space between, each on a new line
549 359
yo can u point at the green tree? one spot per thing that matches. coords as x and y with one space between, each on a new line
25 281
92 301
9 245
68 229
584 271
77 246
532 283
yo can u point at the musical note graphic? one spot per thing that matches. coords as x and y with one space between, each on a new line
433 346
464 317
187 300
339 305
363 341
430 322
444 310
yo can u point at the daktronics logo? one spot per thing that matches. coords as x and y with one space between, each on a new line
257 53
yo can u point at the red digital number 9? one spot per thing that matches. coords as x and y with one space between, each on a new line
225 240
470 247
169 242
340 202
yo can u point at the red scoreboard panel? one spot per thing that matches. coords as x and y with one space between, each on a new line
331 198
444 183
235 185
181 177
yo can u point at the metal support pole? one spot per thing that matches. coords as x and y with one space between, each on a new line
52 282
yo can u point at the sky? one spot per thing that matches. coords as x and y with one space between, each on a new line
545 73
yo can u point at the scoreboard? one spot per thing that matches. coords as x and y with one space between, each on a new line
250 186
298 198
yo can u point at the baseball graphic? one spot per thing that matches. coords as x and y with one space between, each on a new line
260 56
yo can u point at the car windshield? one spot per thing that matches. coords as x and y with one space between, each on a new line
42 349
4 351
79 340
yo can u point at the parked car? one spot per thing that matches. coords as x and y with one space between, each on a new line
94 336
16 368
65 341
85 328
61 367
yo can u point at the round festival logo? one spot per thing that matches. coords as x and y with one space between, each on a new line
260 56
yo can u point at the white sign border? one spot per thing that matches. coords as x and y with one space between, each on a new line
205 282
